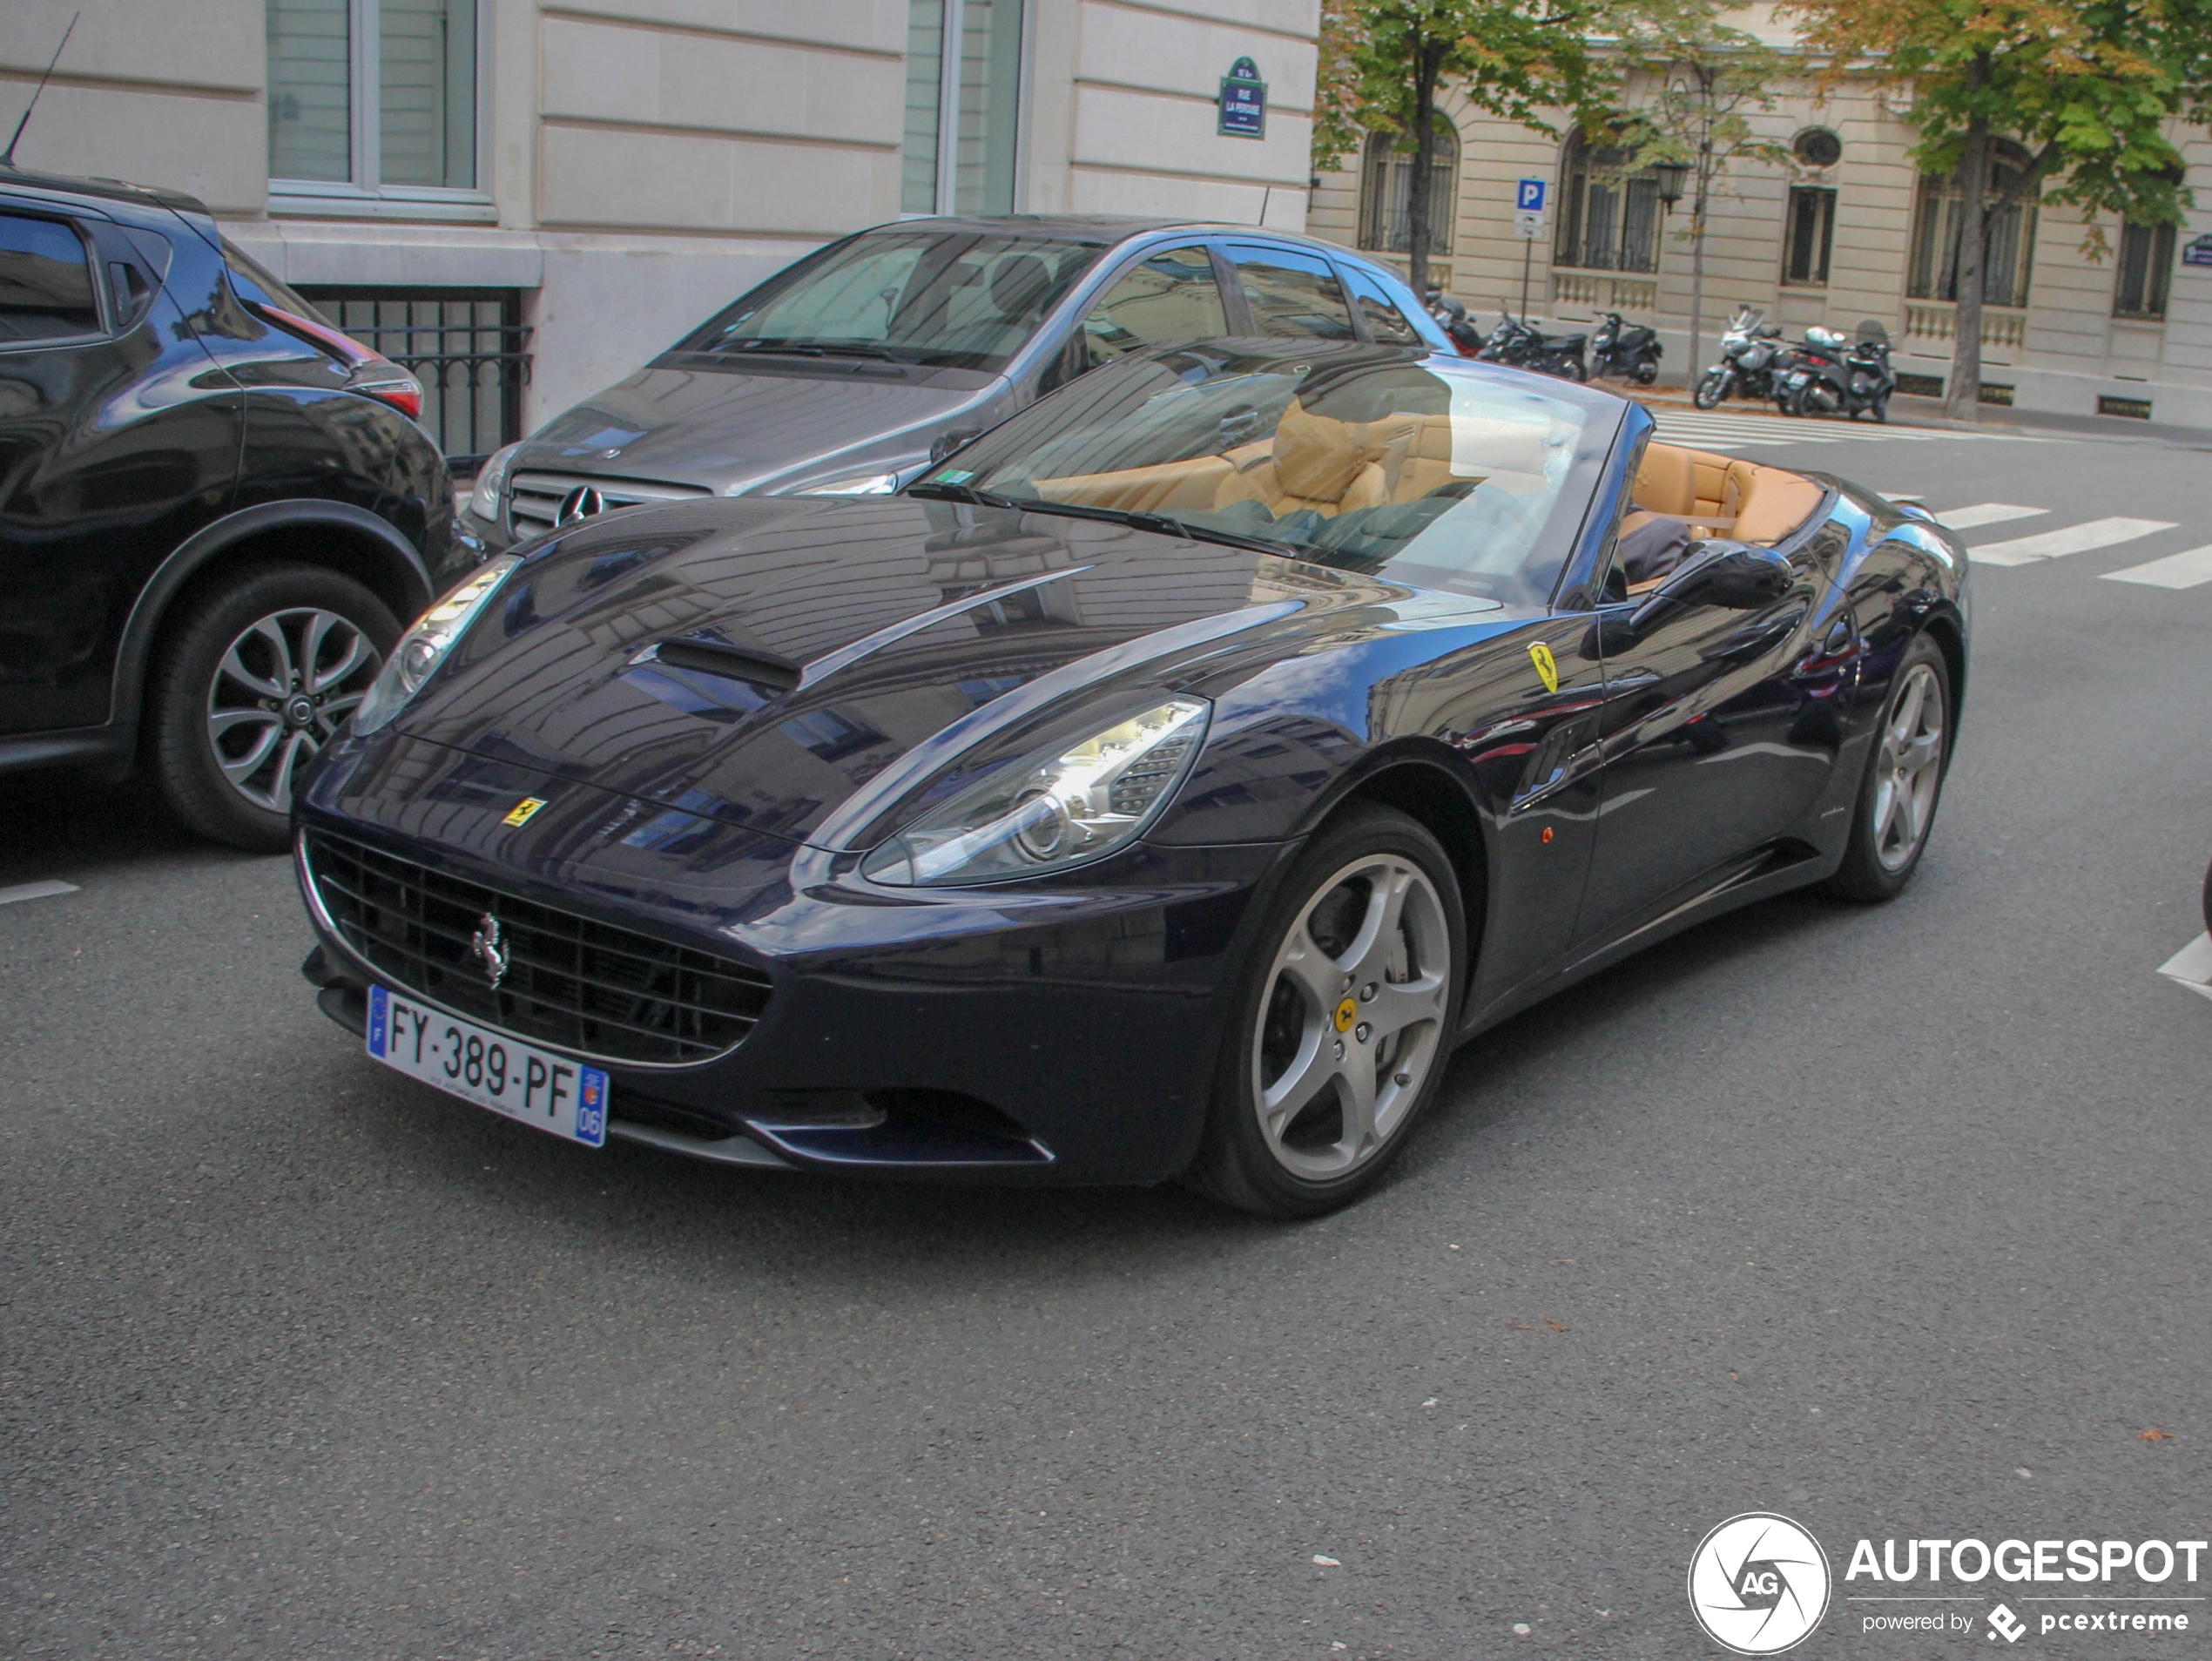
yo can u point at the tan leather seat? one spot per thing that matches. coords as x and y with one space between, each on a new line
1317 461
1195 483
1722 495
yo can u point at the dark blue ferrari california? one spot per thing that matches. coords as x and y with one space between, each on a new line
1162 786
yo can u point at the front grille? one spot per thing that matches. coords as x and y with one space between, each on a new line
579 985
534 499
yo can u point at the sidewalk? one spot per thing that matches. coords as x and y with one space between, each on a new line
1996 418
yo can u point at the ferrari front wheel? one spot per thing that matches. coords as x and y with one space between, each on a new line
1339 1036
1904 779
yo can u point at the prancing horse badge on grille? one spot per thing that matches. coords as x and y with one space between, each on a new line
488 949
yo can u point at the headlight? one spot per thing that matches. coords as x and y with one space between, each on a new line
860 485
1059 806
423 648
491 484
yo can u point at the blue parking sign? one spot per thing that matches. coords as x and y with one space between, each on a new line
1531 199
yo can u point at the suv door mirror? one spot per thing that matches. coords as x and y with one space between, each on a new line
1735 576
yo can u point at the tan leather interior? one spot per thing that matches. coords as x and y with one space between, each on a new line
1716 494
1319 462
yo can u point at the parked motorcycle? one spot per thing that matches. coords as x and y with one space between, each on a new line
1451 317
1514 343
1749 354
1832 377
1628 350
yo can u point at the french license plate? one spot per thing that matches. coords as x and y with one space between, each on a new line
489 1068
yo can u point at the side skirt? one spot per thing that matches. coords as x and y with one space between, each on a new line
1760 876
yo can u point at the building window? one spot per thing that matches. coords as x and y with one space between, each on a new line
468 347
373 96
1386 191
963 107
1812 233
2011 245
2146 265
1817 147
1608 217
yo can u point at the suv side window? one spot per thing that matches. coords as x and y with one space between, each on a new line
1293 292
1171 296
1384 322
45 282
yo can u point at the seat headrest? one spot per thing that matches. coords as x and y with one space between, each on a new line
1018 284
1317 456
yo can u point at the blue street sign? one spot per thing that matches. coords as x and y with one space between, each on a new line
1244 101
2198 252
1531 199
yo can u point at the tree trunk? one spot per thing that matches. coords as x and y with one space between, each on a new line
1962 400
1697 241
1428 57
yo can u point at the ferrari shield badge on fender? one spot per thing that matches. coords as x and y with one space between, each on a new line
523 810
1547 666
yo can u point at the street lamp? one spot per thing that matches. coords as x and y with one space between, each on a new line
1671 175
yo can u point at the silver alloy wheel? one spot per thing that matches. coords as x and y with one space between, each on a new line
281 690
1909 768
1350 1016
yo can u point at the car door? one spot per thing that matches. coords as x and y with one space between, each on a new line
1164 294
108 458
1715 735
1290 292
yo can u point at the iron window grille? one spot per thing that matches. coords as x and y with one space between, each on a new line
2145 269
468 347
1811 236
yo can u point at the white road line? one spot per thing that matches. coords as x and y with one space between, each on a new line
1720 429
2070 539
34 891
2192 966
2175 571
1984 513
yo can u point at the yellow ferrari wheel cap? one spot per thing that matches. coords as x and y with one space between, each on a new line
1347 1012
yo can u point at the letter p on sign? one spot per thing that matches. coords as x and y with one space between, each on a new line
1531 197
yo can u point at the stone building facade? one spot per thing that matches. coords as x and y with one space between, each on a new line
582 181
1849 232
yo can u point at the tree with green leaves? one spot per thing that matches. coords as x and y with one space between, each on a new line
1691 84
2087 86
1383 63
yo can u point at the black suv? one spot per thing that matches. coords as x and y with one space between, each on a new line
214 509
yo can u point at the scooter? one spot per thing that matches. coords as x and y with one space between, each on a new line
1830 379
1451 317
1749 353
1628 350
1514 343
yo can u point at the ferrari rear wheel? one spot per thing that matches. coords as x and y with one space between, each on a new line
1340 1037
1904 781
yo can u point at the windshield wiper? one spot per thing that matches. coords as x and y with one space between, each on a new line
1160 524
781 349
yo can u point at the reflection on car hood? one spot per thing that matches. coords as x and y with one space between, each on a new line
734 428
756 661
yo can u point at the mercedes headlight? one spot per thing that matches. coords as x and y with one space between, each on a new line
491 484
1059 806
423 648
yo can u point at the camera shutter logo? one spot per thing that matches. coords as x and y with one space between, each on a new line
1758 1584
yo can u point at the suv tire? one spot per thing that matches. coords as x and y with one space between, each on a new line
253 677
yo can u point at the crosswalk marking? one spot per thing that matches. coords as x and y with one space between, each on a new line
2175 571
1984 513
34 891
2192 966
2070 539
1722 429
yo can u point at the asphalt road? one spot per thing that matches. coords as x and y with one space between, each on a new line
1893 1220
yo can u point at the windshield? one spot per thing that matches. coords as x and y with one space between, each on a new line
1435 471
959 300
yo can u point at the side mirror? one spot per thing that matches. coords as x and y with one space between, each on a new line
1735 576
